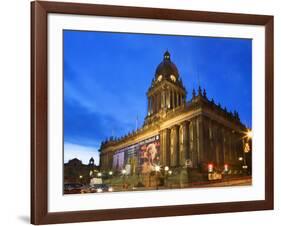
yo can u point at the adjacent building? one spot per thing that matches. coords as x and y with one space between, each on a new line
77 172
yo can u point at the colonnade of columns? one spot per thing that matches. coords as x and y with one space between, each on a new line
175 143
199 139
165 99
220 144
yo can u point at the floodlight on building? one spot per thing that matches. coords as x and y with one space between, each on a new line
249 134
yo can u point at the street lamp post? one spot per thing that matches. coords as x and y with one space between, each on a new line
246 149
157 170
124 174
81 179
166 168
110 173
170 172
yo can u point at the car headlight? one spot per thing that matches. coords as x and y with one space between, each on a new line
99 190
110 189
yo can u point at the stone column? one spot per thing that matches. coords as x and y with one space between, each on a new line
184 152
165 147
194 143
160 101
236 148
168 103
151 105
200 139
164 99
155 103
175 146
172 99
111 160
175 99
148 105
227 146
224 145
181 102
232 146
216 142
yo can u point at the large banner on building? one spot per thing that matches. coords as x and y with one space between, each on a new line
149 154
138 158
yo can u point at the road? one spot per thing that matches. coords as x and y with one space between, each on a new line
234 182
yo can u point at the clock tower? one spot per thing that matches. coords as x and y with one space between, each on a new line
166 91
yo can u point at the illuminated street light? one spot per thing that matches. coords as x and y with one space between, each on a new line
110 173
166 168
240 158
210 168
99 174
157 168
124 171
225 167
245 167
170 172
80 176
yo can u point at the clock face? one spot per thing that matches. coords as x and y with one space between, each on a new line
159 78
173 78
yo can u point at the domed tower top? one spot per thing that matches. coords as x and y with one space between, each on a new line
167 69
166 91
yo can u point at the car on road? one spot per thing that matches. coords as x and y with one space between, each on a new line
73 188
98 188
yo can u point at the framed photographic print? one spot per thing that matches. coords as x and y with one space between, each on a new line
148 112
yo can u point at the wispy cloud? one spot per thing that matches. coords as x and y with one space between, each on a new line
119 102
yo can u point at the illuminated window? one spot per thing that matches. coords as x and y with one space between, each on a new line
173 78
159 78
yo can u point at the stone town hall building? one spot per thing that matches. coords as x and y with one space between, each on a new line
196 131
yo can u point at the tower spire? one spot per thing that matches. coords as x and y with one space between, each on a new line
167 55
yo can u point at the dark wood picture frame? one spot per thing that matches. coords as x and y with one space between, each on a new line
39 109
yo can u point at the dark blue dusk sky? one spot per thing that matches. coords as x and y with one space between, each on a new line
106 76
